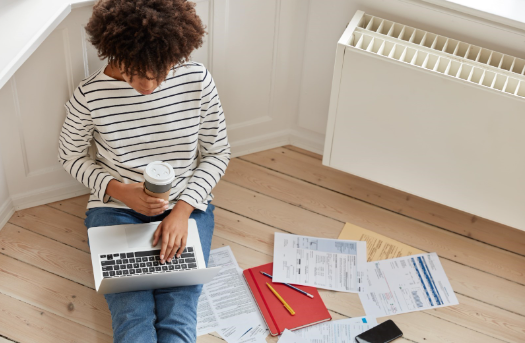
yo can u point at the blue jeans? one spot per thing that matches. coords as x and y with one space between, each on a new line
159 315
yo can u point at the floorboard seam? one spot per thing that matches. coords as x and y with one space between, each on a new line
217 335
43 309
9 339
466 327
51 238
255 220
61 210
489 304
47 271
384 208
302 153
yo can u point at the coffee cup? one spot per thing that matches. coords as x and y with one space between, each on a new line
158 177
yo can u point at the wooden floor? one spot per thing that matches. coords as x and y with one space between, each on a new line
46 281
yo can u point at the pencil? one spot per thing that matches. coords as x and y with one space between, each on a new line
287 284
292 312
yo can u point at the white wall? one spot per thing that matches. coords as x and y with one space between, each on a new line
326 22
6 208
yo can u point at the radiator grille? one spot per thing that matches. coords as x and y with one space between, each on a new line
448 56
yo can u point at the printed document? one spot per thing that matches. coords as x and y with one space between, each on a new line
378 247
245 332
337 331
338 265
406 284
226 304
289 337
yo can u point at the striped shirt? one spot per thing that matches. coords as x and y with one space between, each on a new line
181 122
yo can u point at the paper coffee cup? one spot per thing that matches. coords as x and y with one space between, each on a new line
158 177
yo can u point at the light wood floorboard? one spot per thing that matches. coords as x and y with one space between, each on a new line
298 163
346 209
46 281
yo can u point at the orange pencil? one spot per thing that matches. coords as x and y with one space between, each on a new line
292 312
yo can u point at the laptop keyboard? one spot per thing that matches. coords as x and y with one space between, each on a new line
144 262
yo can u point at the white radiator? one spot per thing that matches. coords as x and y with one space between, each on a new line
431 116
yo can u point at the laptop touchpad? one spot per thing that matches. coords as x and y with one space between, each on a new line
140 236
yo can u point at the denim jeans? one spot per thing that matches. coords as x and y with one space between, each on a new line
159 315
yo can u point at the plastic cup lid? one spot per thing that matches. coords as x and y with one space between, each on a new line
159 173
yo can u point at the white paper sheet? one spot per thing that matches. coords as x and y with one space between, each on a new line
406 284
337 331
245 332
289 337
226 304
206 318
334 264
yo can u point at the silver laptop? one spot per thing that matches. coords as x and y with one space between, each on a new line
124 259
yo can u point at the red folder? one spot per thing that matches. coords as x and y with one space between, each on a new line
308 311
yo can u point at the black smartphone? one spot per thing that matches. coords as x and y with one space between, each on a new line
383 333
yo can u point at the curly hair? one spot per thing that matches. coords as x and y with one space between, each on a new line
145 35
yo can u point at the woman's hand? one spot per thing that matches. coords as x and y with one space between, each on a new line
134 197
174 231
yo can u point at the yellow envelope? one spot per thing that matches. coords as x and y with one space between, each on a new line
378 247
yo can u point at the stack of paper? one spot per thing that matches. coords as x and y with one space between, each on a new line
390 278
226 304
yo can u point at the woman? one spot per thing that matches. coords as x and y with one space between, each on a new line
149 103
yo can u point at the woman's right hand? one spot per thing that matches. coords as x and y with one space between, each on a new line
133 196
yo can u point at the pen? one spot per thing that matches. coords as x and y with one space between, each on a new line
246 332
281 299
287 284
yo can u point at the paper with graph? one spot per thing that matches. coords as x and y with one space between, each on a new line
333 264
406 284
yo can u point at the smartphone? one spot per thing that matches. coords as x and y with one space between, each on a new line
383 333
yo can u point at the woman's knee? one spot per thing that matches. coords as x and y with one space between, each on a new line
107 216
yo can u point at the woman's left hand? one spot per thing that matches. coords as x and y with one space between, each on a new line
174 231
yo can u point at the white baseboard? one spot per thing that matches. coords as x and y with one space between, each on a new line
48 194
6 211
260 143
306 141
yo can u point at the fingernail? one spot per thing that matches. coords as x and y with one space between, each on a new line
162 257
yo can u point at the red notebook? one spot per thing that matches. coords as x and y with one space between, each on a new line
308 311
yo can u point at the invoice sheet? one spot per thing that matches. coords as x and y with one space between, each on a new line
337 331
226 304
406 284
289 337
334 264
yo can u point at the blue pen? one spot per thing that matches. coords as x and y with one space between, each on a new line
287 284
246 332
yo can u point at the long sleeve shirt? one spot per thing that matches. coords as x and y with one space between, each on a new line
181 123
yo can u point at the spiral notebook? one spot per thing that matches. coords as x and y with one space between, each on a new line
308 311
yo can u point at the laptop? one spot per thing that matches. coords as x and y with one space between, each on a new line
124 259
